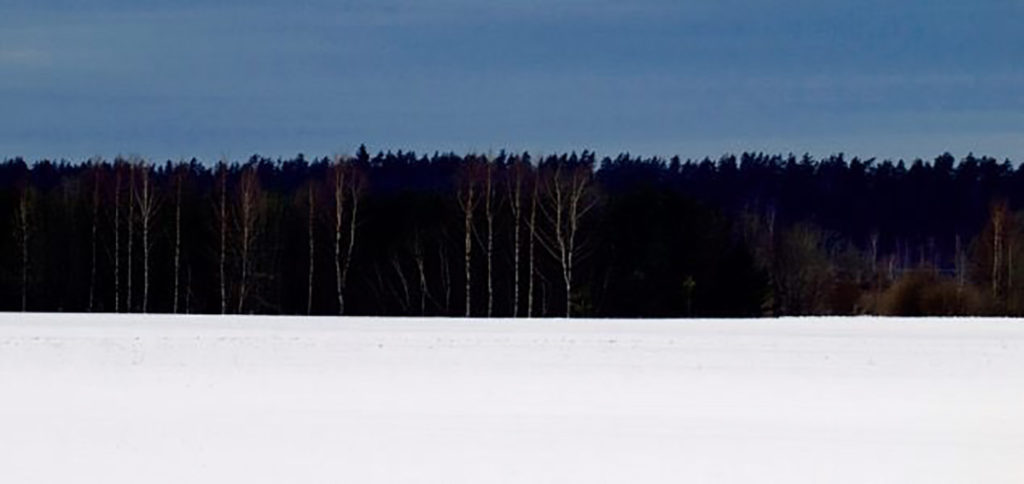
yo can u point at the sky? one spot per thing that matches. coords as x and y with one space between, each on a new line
226 79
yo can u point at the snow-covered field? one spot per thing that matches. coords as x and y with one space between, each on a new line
145 399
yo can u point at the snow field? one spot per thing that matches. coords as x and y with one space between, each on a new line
132 398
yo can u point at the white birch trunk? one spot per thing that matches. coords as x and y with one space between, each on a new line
338 176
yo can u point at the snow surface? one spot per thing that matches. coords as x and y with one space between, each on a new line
140 399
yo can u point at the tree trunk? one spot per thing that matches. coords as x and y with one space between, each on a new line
24 227
117 237
421 270
467 202
355 193
223 236
489 213
95 223
446 279
339 175
249 215
177 242
533 245
468 246
568 201
312 261
146 212
131 232
515 204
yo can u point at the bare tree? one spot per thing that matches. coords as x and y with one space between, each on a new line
131 229
222 219
117 235
95 169
999 215
446 277
489 210
24 228
534 196
514 184
147 202
179 181
417 253
568 198
468 198
249 218
311 189
347 185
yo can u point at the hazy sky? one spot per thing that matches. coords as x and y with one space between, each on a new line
171 79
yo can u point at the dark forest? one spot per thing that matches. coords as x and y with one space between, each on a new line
512 235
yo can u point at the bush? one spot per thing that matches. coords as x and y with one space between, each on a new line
924 293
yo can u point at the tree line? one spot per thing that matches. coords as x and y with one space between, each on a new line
510 235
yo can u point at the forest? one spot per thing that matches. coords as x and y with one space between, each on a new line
513 235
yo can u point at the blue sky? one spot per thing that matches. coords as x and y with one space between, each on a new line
231 78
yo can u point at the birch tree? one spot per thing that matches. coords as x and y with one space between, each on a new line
514 185
117 235
468 199
146 199
347 187
569 198
179 180
532 273
131 230
311 222
222 221
489 209
95 170
248 220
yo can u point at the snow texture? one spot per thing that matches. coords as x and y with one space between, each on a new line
130 399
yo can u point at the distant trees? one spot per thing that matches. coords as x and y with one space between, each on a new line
510 235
